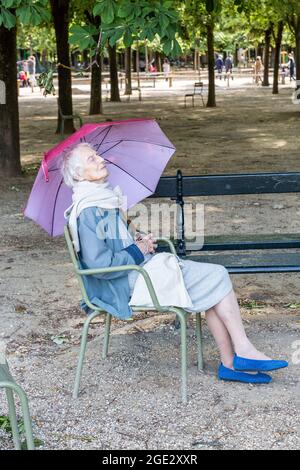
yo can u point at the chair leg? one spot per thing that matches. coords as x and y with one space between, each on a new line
26 417
199 341
106 335
83 343
13 418
182 316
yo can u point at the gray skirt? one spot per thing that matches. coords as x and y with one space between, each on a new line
206 283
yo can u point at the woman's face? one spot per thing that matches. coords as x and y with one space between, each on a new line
94 168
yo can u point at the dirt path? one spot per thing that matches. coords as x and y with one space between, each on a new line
249 131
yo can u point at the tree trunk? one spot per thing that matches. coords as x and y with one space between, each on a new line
96 90
278 42
268 34
10 164
158 61
146 58
44 57
60 13
211 103
128 90
113 70
134 55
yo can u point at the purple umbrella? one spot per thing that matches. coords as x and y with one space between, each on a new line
136 150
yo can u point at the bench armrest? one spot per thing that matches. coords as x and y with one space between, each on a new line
91 272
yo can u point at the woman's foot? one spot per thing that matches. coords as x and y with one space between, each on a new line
230 375
250 365
251 352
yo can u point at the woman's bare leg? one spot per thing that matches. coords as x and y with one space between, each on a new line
222 338
228 311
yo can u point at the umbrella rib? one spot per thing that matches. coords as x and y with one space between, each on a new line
107 150
112 163
98 135
106 134
141 142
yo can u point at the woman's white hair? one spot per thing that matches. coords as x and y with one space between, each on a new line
72 164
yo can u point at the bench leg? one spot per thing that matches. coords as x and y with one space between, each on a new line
199 341
13 418
82 351
106 335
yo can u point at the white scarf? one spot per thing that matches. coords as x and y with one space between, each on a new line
90 194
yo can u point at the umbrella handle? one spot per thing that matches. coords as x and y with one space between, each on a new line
45 170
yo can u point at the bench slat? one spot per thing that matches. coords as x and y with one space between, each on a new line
237 263
250 242
221 185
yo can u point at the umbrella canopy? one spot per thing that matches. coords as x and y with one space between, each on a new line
136 150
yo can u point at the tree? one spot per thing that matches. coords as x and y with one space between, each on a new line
60 14
25 12
139 20
278 42
202 15
113 70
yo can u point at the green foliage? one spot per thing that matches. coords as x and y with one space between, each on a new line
6 427
84 36
45 81
139 20
27 12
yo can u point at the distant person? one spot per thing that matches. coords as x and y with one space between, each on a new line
142 65
25 70
152 67
166 68
31 72
23 78
219 66
258 69
284 73
229 66
291 66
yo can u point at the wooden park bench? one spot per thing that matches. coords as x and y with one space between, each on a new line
135 89
227 250
198 91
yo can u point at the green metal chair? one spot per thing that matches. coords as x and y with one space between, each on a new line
181 314
65 117
8 383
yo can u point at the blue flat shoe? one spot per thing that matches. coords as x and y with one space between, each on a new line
233 376
251 365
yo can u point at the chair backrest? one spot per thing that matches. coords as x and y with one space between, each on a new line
198 87
76 263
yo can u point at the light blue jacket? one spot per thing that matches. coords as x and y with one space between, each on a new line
101 247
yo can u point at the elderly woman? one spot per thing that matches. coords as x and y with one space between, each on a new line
102 239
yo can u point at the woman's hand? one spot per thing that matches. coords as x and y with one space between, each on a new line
147 244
